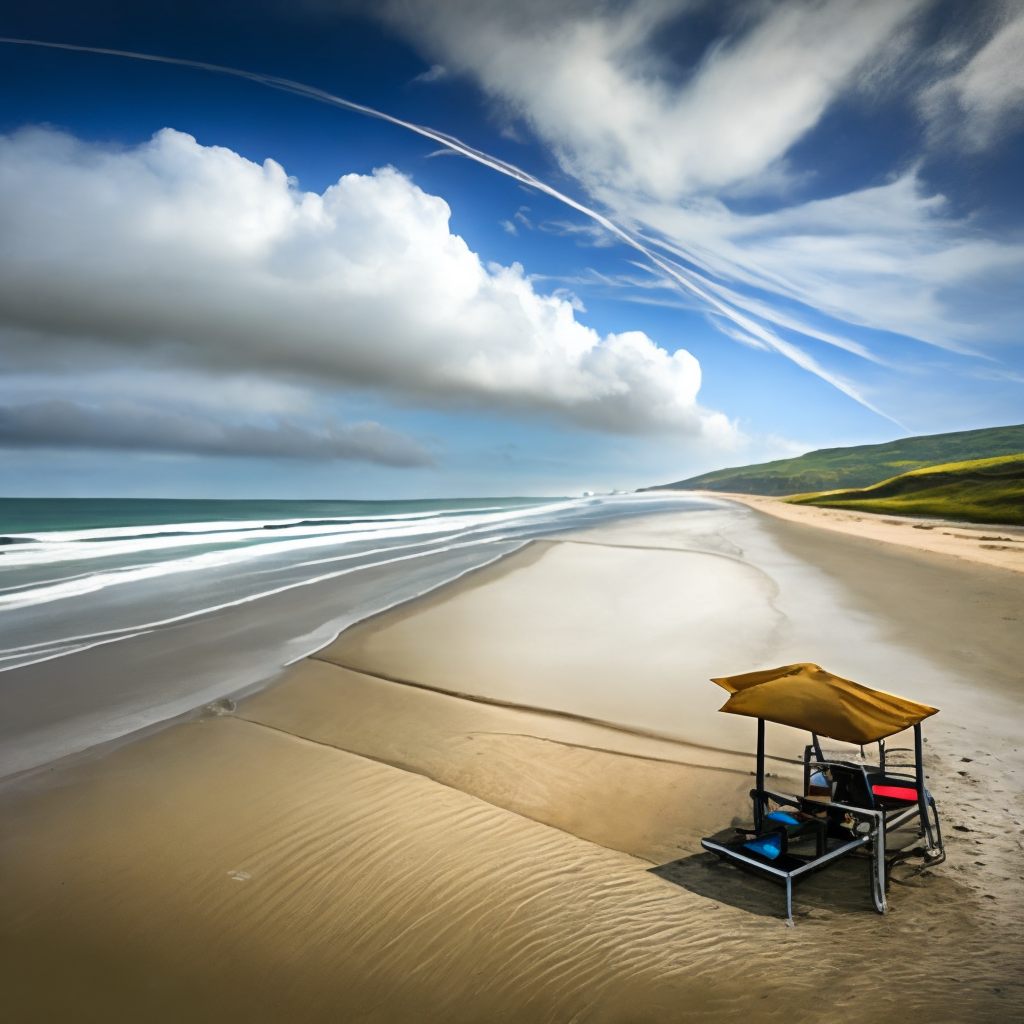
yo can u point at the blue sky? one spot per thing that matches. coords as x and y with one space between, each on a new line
740 231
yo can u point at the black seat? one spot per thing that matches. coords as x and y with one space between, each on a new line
865 786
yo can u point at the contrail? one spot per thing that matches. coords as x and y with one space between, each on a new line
688 281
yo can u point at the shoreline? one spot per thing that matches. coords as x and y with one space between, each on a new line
344 845
187 664
141 657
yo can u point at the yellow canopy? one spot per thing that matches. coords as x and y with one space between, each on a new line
805 696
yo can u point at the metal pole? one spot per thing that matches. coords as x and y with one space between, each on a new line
922 799
760 753
817 746
879 868
759 803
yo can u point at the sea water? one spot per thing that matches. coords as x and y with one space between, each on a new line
120 613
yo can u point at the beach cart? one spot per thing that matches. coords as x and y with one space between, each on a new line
851 802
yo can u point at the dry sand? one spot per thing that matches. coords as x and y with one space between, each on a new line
355 844
998 546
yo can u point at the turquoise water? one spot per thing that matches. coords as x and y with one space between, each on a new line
32 515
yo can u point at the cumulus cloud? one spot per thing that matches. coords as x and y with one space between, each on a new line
128 426
588 80
202 258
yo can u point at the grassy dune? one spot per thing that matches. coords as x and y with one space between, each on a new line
860 466
980 490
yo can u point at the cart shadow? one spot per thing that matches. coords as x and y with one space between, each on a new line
844 888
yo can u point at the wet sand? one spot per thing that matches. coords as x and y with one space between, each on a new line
450 813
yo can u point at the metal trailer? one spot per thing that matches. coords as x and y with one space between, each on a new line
867 803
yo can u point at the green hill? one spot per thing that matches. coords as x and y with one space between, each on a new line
861 466
979 491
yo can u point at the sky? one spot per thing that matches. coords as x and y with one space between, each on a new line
343 249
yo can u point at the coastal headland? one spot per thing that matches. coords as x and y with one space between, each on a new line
485 804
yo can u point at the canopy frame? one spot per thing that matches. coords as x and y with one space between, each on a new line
815 746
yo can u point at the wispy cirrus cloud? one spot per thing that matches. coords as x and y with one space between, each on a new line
892 257
436 73
588 78
984 98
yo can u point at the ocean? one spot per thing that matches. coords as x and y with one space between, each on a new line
121 613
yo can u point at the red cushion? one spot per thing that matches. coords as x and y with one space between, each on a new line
896 792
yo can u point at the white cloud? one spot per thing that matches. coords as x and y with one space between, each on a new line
435 73
985 97
889 257
587 80
196 256
661 147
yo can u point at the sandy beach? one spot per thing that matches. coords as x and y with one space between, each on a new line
999 546
486 804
